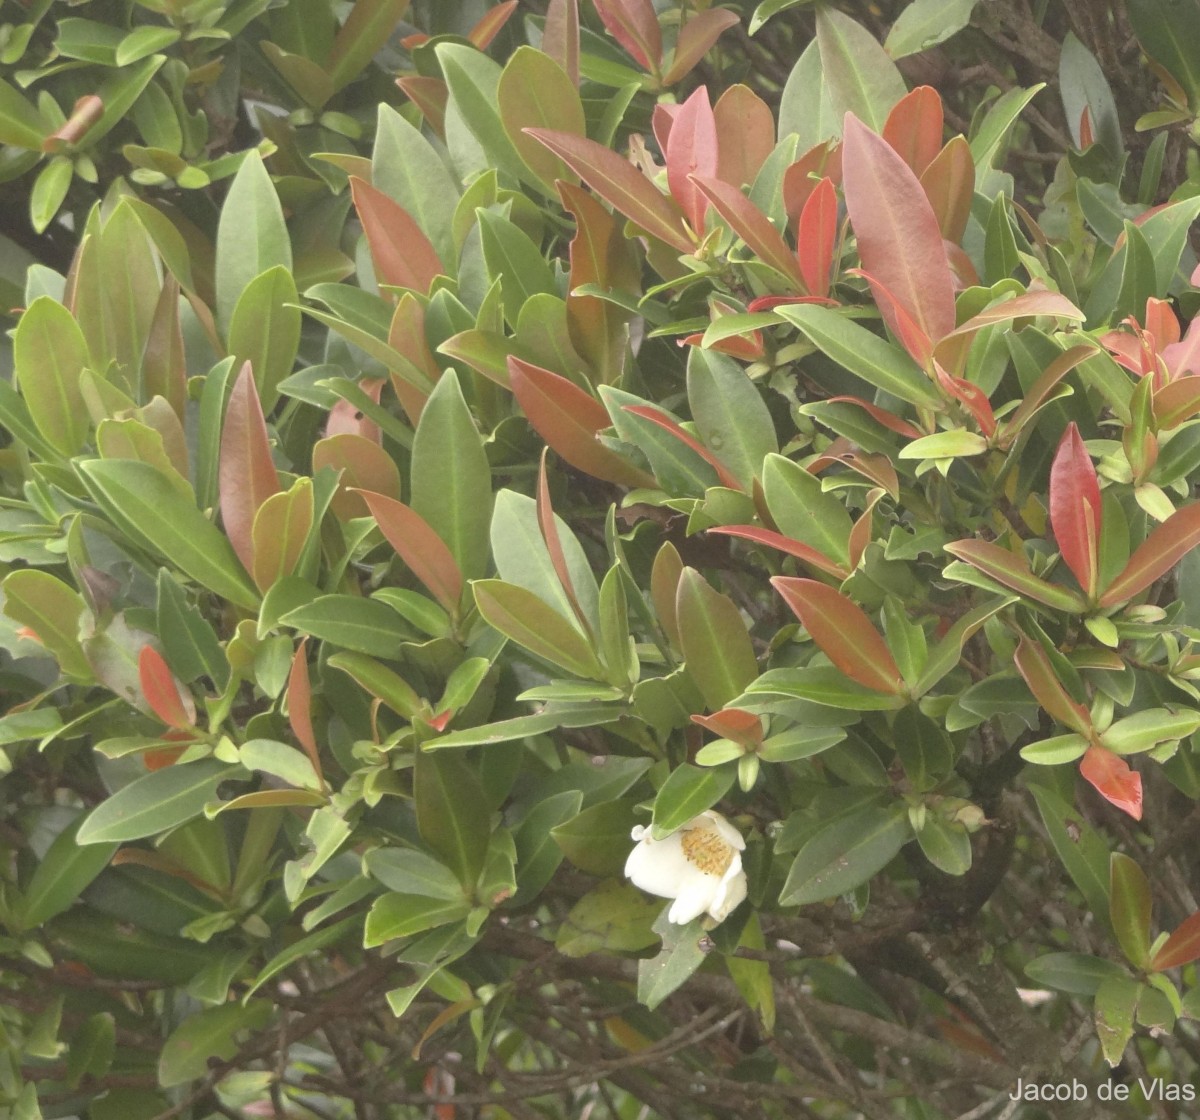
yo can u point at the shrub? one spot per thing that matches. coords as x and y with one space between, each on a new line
424 559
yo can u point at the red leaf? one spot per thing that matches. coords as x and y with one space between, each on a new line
861 533
568 419
634 24
752 226
403 255
899 240
1113 779
246 475
1075 509
646 412
817 236
1086 139
346 419
430 95
661 121
1176 402
692 150
560 38
914 127
881 416
490 24
770 539
299 705
419 546
545 515
972 397
621 185
1157 555
909 333
802 177
696 38
1012 571
745 135
167 700
842 631
1182 947
952 350
1033 663
949 185
735 724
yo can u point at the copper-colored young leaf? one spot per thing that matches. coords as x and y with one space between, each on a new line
909 333
899 240
421 549
692 150
1075 509
634 24
842 631
816 237
406 335
163 694
1114 780
1182 947
1176 402
696 38
490 24
745 135
733 723
364 466
430 95
568 419
655 416
971 396
1157 555
299 708
949 185
346 418
770 539
752 226
914 127
1013 571
404 257
560 37
247 477
1033 663
802 177
621 185
546 522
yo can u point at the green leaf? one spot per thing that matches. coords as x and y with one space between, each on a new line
1116 1000
861 79
451 478
805 512
716 645
448 796
686 794
367 626
366 30
731 417
1168 31
20 123
1139 278
314 943
823 684
522 727
945 445
54 612
190 643
144 504
597 840
612 917
988 141
156 802
863 353
251 236
50 191
210 1033
403 915
1129 907
1077 973
144 41
946 844
681 954
523 617
264 330
62 876
516 261
269 756
845 854
380 682
49 354
92 1048
411 871
924 748
535 92
925 23
1079 846
538 856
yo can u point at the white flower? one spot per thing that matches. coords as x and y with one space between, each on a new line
698 865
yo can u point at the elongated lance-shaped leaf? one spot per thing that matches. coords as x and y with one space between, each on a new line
696 38
404 257
914 127
1033 663
1157 555
1075 509
520 615
247 475
949 185
299 709
560 37
535 92
715 643
1130 905
1182 947
550 535
368 27
634 24
842 631
753 227
49 353
419 546
899 241
692 150
646 412
816 237
621 185
167 699
1013 571
770 539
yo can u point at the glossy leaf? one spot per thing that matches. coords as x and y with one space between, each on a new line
634 24
247 474
447 796
1166 545
49 353
949 185
1075 510
363 625
527 620
1013 571
1034 665
167 700
752 226
1129 906
53 612
280 532
714 640
1113 779
404 257
845 853
367 28
696 38
686 794
1182 947
535 92
62 875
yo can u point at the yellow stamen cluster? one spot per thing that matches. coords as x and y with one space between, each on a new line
704 848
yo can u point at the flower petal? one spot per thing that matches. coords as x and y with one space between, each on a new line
658 866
